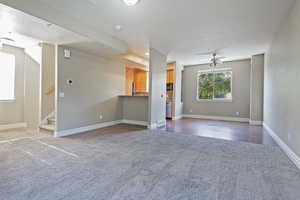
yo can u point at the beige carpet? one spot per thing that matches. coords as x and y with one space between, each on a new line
142 165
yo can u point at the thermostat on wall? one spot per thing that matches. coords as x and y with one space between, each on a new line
70 82
67 53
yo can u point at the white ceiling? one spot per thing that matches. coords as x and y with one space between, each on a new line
179 28
27 30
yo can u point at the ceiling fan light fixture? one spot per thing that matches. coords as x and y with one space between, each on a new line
131 2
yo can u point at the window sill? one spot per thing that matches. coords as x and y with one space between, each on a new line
7 101
215 100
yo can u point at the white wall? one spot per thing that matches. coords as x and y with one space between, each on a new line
240 91
157 88
178 104
282 77
97 83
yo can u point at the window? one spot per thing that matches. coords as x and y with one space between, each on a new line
215 85
7 77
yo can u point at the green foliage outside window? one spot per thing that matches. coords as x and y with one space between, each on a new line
215 85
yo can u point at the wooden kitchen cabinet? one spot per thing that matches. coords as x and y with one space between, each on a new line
170 76
140 80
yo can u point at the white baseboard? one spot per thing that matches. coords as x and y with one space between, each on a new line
134 122
152 126
44 121
158 124
5 127
234 119
161 123
48 127
85 128
177 117
255 123
97 126
288 151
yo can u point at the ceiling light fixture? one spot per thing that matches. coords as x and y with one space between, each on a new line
118 27
131 2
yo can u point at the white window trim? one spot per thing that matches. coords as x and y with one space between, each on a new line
213 100
8 100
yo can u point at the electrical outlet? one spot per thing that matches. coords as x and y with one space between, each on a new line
100 116
237 113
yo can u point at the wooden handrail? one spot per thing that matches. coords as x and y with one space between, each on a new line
50 90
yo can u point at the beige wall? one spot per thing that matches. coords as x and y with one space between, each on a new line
157 88
282 76
135 108
257 88
48 79
26 105
240 88
13 111
32 92
97 82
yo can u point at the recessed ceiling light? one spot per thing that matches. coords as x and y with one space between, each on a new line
118 27
147 54
131 2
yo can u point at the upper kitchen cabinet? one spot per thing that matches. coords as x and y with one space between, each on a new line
170 76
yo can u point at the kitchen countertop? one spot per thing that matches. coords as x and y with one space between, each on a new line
134 96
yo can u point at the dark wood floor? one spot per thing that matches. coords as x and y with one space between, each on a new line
233 131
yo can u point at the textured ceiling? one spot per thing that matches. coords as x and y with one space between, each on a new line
180 29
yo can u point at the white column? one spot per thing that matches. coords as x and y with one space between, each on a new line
157 89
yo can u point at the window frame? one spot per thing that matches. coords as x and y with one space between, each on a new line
14 89
221 100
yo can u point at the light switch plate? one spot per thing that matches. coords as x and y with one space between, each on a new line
61 94
67 53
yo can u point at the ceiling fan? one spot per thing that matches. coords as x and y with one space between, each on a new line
215 60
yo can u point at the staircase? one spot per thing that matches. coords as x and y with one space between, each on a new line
50 125
49 122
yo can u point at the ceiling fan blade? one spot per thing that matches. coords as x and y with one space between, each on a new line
222 57
204 54
208 53
216 51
